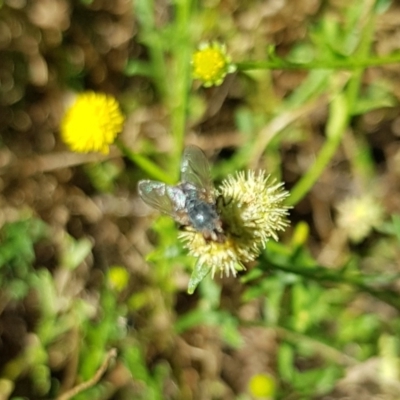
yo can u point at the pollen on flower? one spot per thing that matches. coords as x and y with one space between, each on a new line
251 207
211 64
215 256
92 123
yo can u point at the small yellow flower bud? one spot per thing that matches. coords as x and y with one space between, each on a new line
211 64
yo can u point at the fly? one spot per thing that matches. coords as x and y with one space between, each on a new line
192 201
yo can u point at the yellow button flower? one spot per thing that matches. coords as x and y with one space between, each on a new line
92 123
211 64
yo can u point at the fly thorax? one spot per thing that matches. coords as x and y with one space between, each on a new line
202 215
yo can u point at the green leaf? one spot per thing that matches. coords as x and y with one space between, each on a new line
136 67
376 96
75 252
196 318
337 120
199 273
381 6
286 362
17 240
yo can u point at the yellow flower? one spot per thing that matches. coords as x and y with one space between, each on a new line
92 123
118 277
211 64
252 211
262 386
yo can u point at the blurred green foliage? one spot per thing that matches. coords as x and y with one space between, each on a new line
17 255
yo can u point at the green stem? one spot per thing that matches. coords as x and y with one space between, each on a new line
152 170
339 117
340 113
307 181
144 10
322 274
179 84
324 349
350 63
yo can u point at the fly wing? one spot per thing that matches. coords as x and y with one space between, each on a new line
167 199
196 170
